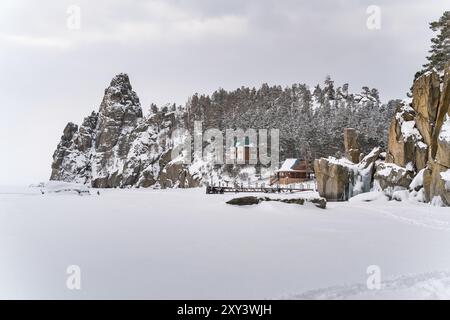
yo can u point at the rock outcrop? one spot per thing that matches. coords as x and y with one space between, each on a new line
118 147
419 138
334 178
405 143
72 157
426 93
351 146
340 179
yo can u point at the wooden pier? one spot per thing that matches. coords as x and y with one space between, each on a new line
237 189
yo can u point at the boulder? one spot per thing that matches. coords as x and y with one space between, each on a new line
417 182
250 200
370 159
390 175
320 202
340 179
244 201
334 178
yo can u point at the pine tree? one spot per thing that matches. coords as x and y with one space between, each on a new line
440 45
153 108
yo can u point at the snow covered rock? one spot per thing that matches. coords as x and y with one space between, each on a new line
251 200
175 174
405 143
369 197
437 183
118 147
341 179
417 183
426 93
435 176
390 175
72 157
334 178
118 115
443 143
419 141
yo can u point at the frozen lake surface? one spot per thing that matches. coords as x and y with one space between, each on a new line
184 244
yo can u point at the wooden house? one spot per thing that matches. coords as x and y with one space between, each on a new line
293 171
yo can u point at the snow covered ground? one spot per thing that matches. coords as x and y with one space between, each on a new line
184 244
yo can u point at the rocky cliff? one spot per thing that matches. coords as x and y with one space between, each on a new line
419 138
418 152
118 147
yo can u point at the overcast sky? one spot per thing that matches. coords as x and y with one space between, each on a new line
51 74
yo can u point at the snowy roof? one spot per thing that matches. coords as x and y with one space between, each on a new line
289 164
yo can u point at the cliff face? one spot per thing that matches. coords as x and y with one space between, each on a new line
118 147
419 138
418 156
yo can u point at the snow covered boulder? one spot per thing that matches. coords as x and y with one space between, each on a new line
334 178
369 197
341 179
369 160
437 184
390 175
251 200
417 183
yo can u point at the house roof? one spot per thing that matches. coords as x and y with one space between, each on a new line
289 164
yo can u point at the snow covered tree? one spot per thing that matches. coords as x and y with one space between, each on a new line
153 108
440 45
